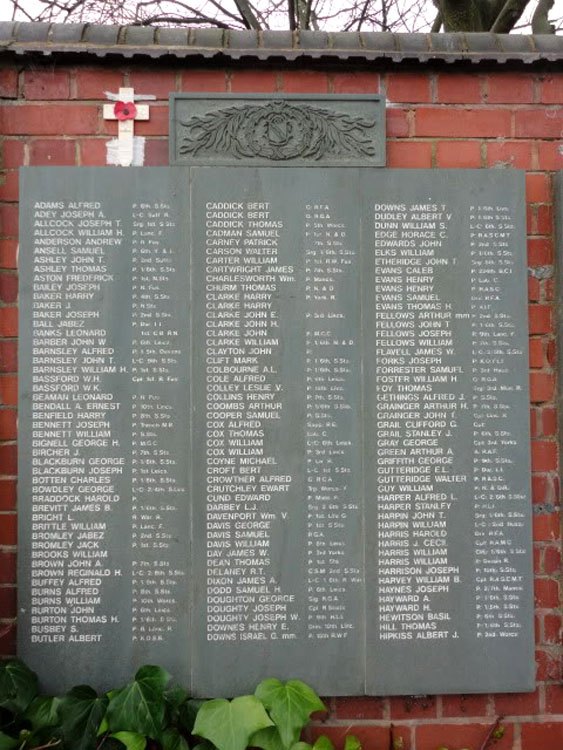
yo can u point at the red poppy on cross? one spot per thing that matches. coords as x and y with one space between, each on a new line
126 112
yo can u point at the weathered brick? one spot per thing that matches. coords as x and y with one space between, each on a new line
304 82
409 707
8 460
157 152
258 81
160 83
551 89
549 421
540 251
8 529
540 318
8 83
13 153
46 84
9 220
408 87
538 188
550 155
458 88
548 666
8 424
472 123
516 704
8 601
91 83
369 736
508 88
502 153
8 287
546 526
534 289
396 123
552 560
8 355
542 489
9 186
544 455
546 592
465 705
7 639
548 736
538 123
52 152
8 494
93 152
355 83
204 80
544 219
552 628
459 154
8 253
7 566
542 386
409 154
8 390
50 119
432 736
360 708
536 352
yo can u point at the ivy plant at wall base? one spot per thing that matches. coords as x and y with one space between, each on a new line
147 714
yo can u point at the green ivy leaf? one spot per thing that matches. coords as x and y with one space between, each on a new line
171 739
131 740
175 696
43 712
301 746
140 706
104 727
204 746
187 714
230 724
352 743
156 676
18 685
7 742
323 743
82 711
267 739
289 705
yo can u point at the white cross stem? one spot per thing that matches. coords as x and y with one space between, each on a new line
126 127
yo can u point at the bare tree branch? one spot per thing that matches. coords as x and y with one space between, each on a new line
331 15
540 20
508 16
248 16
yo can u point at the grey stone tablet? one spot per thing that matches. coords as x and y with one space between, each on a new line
285 130
104 413
274 422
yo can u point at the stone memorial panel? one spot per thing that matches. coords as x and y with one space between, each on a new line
274 422
285 130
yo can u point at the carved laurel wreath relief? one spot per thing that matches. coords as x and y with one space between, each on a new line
278 131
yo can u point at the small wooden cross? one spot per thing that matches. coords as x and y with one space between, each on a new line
126 112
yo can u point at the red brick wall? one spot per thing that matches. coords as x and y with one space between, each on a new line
477 119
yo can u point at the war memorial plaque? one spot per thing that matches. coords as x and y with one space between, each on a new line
274 422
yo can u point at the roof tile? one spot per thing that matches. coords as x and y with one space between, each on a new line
32 32
97 34
131 41
67 33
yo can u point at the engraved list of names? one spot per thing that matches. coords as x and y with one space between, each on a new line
274 422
